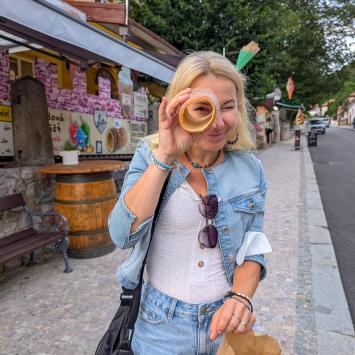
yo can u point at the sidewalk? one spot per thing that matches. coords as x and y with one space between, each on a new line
301 302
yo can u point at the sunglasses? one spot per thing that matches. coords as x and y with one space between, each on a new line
208 235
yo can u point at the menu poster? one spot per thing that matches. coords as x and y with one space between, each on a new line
6 131
138 130
94 134
141 105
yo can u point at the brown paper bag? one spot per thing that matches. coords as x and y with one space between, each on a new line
249 344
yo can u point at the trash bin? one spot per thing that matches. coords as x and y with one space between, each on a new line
312 139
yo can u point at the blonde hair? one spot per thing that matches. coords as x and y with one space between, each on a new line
208 62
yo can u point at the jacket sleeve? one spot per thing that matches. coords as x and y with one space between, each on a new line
121 217
255 233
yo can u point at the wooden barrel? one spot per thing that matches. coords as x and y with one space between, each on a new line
86 200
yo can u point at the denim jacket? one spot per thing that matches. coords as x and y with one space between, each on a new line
240 184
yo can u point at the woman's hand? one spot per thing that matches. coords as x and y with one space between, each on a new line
173 140
232 316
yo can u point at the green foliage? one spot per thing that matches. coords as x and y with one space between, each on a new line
346 85
70 146
306 38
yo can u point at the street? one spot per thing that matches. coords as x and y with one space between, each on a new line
334 164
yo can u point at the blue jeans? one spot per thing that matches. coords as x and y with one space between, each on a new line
166 326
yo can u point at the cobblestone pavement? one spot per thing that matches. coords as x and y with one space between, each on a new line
44 311
276 296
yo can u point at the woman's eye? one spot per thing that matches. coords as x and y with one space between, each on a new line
227 108
202 108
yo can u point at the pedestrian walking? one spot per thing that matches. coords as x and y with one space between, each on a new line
206 257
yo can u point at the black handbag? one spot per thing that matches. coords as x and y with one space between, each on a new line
118 337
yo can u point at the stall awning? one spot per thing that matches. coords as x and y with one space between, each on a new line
290 105
43 23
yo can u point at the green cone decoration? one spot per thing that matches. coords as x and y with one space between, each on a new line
246 54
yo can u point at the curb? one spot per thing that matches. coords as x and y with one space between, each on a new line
334 328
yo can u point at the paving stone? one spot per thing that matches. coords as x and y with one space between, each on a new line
44 311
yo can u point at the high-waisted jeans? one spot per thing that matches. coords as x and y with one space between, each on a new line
166 326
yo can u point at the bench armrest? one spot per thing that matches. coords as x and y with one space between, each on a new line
60 221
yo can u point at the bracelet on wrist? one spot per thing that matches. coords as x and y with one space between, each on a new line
232 294
246 305
161 165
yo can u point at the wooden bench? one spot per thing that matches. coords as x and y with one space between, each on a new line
27 241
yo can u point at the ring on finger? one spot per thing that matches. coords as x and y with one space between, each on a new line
243 323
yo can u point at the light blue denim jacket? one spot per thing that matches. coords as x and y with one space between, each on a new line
240 184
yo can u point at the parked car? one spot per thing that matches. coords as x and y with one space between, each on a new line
317 124
326 121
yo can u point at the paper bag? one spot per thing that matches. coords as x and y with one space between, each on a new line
249 344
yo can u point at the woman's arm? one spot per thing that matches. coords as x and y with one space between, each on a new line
233 315
131 218
229 316
246 277
142 198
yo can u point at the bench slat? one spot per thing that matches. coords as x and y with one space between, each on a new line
23 243
11 201
26 246
30 242
16 236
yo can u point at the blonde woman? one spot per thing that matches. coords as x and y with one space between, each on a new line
206 257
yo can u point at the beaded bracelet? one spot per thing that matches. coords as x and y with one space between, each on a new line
161 165
232 294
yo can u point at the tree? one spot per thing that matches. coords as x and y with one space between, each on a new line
346 76
296 36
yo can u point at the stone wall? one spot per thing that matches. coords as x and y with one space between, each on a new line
38 191
76 99
5 83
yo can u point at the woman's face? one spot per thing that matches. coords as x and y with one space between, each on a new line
224 128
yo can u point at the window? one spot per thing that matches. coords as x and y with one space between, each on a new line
92 80
20 67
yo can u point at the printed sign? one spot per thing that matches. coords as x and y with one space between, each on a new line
100 120
141 105
6 131
78 130
5 113
138 130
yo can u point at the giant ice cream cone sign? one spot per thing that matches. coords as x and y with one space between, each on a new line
290 86
246 54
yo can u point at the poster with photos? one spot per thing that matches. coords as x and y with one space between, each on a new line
94 134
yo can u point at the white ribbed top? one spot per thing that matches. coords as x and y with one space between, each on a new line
176 264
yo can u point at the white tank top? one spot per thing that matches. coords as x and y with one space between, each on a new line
176 264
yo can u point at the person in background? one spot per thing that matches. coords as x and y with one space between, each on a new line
269 129
207 254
